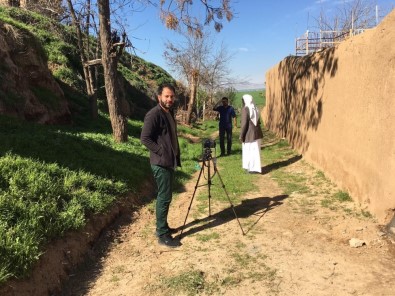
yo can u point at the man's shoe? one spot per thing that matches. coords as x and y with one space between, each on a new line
168 241
169 231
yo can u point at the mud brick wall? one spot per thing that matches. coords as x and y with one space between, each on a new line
337 107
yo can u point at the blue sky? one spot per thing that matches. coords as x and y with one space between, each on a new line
261 34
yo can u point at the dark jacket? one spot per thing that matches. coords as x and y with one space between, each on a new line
225 116
156 136
248 131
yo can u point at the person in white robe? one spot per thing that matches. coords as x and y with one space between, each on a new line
251 136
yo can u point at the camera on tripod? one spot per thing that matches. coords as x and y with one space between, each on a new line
207 145
208 159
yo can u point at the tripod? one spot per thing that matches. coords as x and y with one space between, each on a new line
207 160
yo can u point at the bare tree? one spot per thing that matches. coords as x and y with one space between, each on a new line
111 52
216 72
201 65
356 14
188 60
81 21
178 15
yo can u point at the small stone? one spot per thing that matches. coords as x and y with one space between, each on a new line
380 233
356 243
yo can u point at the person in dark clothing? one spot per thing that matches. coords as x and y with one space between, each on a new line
159 135
226 113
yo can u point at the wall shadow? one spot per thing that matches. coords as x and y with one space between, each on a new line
295 103
257 206
274 166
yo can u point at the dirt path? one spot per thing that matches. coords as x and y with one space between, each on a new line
293 246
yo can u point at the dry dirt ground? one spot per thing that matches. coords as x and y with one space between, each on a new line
292 246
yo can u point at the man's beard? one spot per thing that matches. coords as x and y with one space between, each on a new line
165 106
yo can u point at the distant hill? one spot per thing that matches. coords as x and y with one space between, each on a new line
248 86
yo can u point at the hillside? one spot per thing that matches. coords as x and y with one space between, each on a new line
44 76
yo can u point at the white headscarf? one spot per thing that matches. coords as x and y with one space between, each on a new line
254 112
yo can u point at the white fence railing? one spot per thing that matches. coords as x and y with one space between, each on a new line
315 41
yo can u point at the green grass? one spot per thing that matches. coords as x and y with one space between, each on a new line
258 95
333 202
207 237
189 282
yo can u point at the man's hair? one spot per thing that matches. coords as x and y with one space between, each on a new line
225 98
168 85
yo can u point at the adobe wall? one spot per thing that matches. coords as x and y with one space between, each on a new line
337 107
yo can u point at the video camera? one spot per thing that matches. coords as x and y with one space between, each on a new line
207 145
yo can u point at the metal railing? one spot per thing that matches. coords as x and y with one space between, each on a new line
315 41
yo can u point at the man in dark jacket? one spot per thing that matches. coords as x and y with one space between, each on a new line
159 135
226 114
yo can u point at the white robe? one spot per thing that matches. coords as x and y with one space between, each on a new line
251 156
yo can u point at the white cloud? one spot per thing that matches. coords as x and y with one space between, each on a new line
244 49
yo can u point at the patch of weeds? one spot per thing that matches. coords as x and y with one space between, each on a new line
114 278
119 269
269 275
202 249
332 202
151 206
366 214
243 260
306 205
319 179
147 230
240 245
202 207
289 182
232 280
190 282
207 237
326 191
329 203
320 175
342 196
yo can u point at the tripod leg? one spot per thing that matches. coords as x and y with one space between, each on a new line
227 195
193 196
209 187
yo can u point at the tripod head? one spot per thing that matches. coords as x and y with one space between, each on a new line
207 146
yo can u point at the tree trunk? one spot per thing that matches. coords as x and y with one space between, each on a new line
84 56
192 99
118 120
204 111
